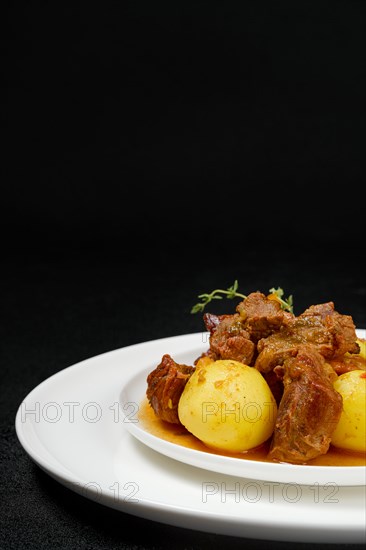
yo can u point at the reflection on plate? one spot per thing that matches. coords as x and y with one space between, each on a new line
72 427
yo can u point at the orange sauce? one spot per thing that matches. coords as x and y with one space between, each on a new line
179 435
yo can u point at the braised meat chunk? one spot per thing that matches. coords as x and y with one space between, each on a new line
236 336
262 315
228 338
348 363
329 332
337 332
165 385
309 409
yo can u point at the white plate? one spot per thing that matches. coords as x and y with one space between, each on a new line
134 391
72 426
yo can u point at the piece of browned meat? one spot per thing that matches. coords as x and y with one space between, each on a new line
236 336
348 363
228 338
275 383
329 332
309 409
340 330
261 316
165 385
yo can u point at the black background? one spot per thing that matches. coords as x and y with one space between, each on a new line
154 151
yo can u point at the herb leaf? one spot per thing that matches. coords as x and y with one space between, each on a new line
230 293
286 303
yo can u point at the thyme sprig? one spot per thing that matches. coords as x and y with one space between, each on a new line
232 292
286 303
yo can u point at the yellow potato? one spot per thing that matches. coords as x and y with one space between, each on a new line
350 432
228 406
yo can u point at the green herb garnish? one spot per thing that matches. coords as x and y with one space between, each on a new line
231 292
286 303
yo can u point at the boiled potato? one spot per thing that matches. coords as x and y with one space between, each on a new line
228 406
350 432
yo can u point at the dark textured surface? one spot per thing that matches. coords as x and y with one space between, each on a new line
153 152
